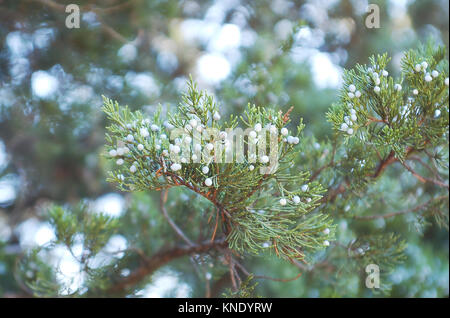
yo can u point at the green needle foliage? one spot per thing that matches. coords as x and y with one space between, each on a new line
379 115
249 206
229 208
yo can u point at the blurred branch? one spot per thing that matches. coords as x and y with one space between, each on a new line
160 259
111 32
433 169
328 165
382 165
114 8
424 179
53 5
105 27
231 264
162 202
389 215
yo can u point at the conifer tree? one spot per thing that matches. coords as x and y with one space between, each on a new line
279 193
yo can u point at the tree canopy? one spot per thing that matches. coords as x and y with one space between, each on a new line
116 177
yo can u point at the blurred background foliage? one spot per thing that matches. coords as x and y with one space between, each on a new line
140 52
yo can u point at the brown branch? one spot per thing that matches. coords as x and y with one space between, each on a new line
303 267
333 193
424 179
376 120
112 9
162 202
318 171
208 289
180 233
393 214
160 259
342 187
53 5
111 32
287 114
232 271
390 159
384 164
105 27
215 227
433 169
330 164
